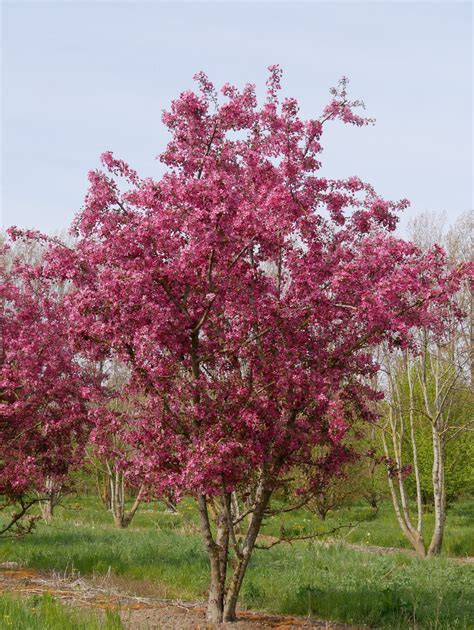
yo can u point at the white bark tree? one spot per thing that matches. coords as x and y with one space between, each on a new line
423 388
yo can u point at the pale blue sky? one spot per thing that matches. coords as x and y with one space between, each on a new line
80 78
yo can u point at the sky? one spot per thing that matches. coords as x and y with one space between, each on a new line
80 78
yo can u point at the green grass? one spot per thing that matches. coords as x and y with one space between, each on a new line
382 529
337 583
44 613
327 581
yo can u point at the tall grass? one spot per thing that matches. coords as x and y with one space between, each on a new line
42 612
334 582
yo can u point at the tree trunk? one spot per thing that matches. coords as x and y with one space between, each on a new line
372 499
223 595
47 509
170 506
438 494
122 518
414 448
50 500
261 502
116 498
413 535
217 562
322 512
103 488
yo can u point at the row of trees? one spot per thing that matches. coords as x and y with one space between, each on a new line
216 333
427 421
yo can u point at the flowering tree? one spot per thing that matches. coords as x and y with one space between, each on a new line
43 417
244 292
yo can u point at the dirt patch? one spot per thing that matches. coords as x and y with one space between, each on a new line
139 612
173 618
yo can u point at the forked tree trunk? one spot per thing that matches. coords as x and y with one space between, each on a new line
437 374
243 558
216 554
226 582
122 517
414 536
399 499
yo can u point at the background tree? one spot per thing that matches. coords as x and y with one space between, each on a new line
43 414
243 291
109 455
429 421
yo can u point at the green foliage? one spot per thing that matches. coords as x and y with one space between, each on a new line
459 451
459 472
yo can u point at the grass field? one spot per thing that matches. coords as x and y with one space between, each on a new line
329 581
44 613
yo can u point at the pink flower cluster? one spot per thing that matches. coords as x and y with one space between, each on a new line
43 414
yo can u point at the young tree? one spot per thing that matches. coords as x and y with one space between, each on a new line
428 420
424 433
109 452
43 415
243 291
110 456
